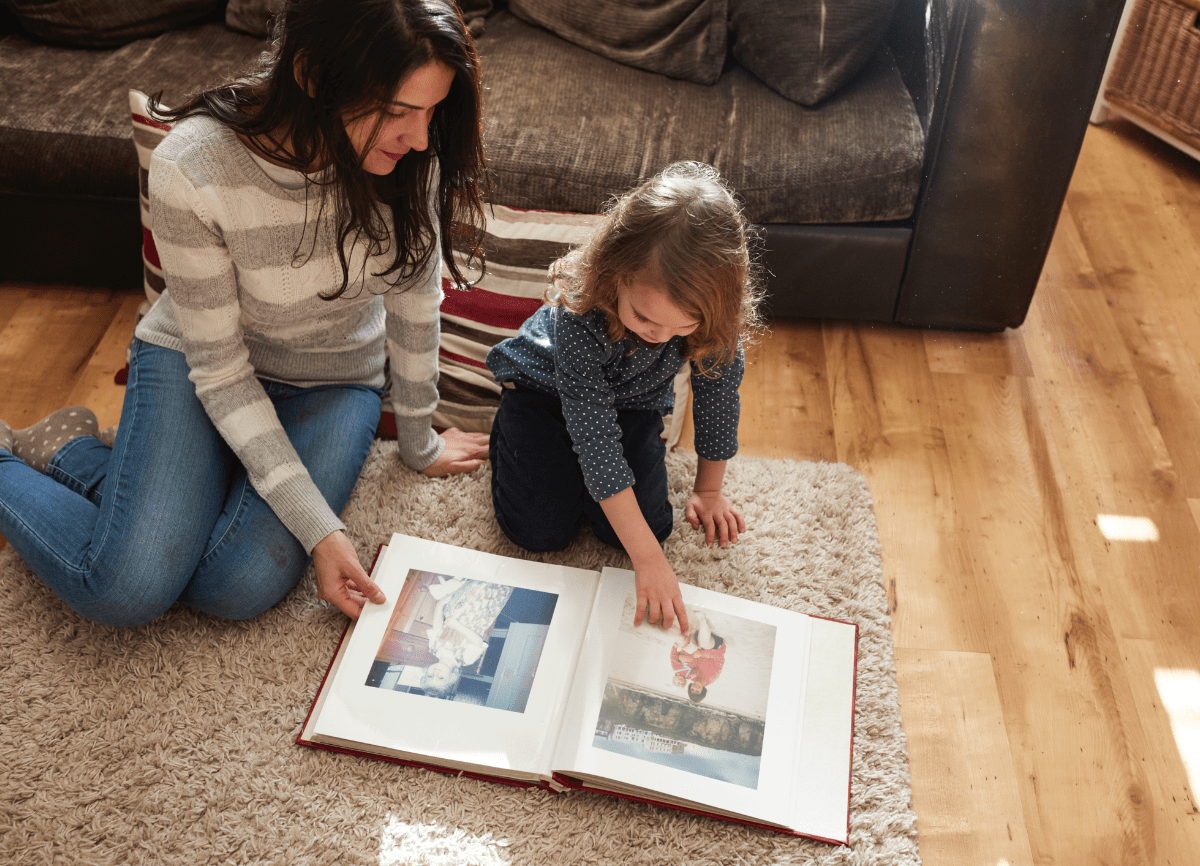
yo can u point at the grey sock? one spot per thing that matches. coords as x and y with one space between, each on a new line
37 444
6 438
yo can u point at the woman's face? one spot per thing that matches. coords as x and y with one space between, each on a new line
382 137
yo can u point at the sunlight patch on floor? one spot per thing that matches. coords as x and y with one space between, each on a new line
1118 527
404 844
1180 693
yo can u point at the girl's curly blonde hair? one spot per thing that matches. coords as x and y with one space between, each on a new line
684 231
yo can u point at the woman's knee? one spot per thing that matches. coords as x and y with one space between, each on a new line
139 594
249 571
246 605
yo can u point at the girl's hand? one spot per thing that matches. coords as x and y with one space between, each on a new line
657 585
465 452
341 580
721 520
658 594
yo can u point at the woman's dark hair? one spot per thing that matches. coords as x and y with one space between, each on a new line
352 56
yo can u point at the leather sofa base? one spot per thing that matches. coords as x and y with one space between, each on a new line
70 240
834 272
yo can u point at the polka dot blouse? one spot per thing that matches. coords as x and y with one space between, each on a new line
558 352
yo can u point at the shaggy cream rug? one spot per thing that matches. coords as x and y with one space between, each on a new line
174 743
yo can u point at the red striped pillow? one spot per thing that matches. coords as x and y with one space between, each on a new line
520 246
147 133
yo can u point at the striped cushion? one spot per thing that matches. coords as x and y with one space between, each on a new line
519 246
147 133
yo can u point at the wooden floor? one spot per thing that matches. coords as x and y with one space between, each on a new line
1038 497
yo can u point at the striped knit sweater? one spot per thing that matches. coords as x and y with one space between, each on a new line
239 309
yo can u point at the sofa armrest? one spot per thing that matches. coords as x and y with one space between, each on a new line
1016 85
917 39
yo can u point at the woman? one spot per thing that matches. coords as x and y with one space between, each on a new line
297 214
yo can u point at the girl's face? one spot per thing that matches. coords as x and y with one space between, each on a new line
646 310
381 137
438 675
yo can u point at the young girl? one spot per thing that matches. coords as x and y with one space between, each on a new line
666 278
297 213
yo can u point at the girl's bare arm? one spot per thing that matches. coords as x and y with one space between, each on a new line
657 586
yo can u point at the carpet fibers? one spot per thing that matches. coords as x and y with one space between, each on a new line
173 743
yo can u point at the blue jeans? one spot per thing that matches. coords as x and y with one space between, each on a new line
167 513
538 490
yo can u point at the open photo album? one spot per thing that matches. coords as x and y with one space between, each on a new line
534 674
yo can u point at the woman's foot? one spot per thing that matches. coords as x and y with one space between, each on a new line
37 444
6 438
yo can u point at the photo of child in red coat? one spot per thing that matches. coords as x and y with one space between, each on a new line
698 658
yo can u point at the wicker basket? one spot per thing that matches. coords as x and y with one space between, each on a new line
1156 75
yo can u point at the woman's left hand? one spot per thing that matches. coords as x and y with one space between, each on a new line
722 522
341 580
465 452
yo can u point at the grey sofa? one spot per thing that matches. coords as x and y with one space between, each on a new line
923 192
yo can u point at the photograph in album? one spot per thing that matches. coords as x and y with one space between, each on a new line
448 636
694 702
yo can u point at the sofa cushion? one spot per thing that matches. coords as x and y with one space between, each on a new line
105 23
684 39
807 49
567 129
80 146
252 16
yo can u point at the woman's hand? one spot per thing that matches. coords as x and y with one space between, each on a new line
465 452
720 519
341 580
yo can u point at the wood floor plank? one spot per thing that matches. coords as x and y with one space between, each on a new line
1116 466
11 298
96 387
1153 296
1001 354
46 345
1119 465
1166 691
1046 625
786 410
965 791
1114 460
887 425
